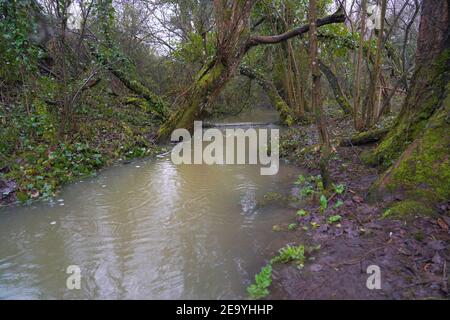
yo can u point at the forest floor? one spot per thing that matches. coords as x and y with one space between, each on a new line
412 251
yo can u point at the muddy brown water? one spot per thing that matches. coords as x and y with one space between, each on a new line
145 230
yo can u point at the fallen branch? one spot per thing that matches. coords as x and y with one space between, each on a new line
364 137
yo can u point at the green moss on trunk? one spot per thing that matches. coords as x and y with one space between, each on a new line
425 96
286 114
424 168
418 146
203 91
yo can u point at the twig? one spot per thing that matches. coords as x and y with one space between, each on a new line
356 260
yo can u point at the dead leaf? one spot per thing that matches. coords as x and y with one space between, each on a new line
442 224
427 267
358 199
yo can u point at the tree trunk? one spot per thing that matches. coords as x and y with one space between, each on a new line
298 84
364 137
416 150
336 87
373 92
316 98
203 92
357 114
158 106
286 113
232 20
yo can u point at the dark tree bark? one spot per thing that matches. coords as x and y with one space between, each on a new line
337 17
357 112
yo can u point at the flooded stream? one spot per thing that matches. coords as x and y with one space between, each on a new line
145 230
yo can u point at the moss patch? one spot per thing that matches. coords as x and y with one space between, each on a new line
407 209
424 168
417 149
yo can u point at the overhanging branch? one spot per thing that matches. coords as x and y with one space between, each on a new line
337 17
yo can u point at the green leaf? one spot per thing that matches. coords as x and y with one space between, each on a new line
339 189
300 180
291 253
323 203
338 204
301 213
262 282
335 218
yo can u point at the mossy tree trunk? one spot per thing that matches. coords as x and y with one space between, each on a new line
203 92
112 60
416 150
157 105
233 25
286 113
339 95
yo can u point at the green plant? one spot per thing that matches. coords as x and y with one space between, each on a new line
18 52
310 185
292 226
339 189
386 214
335 218
300 180
307 191
323 203
338 204
291 253
315 225
301 213
263 280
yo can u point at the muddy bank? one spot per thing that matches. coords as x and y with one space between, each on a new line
412 251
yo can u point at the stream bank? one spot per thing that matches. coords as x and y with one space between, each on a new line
412 250
35 162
